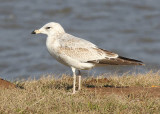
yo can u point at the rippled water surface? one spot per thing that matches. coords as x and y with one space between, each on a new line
128 27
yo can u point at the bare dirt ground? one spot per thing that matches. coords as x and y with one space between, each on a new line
153 91
6 84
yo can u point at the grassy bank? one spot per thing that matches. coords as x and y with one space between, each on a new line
136 93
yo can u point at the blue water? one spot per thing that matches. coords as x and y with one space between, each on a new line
129 28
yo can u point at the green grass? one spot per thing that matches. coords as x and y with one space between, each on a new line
53 96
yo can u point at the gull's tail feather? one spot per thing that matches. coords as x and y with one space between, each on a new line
118 61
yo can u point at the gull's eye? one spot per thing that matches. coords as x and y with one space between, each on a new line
48 27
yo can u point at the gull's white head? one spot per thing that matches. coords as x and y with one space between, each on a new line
50 29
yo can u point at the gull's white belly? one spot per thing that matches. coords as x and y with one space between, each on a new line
68 61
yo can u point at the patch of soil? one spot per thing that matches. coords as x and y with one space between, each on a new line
6 84
129 91
97 86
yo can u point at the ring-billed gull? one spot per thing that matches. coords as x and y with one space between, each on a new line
78 53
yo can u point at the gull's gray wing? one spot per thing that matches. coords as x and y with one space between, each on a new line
82 50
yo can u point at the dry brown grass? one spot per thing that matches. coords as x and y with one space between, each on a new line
50 96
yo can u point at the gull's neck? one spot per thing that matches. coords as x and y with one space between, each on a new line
54 37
